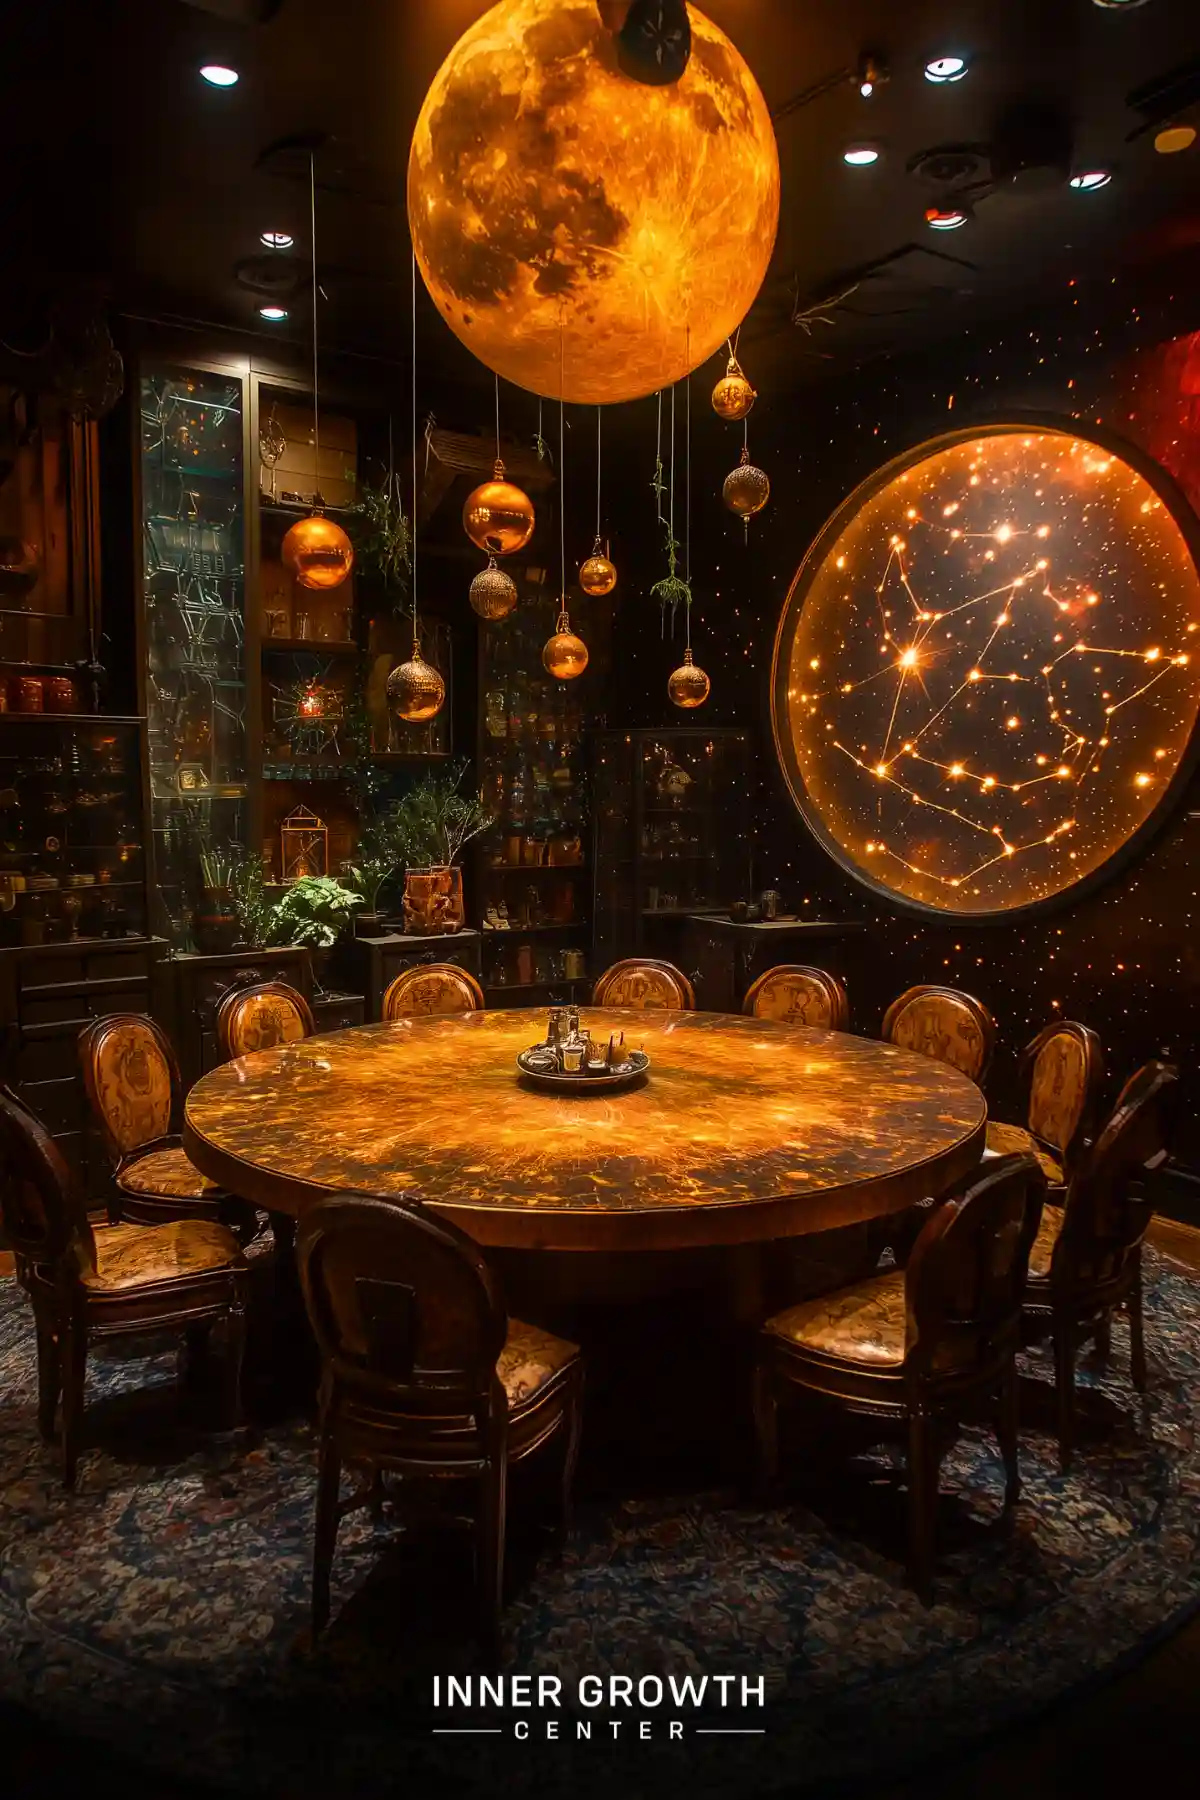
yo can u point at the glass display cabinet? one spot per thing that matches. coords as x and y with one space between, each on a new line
671 834
531 876
192 488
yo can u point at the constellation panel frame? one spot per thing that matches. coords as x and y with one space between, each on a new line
986 678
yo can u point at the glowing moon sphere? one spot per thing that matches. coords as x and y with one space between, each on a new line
574 225
987 673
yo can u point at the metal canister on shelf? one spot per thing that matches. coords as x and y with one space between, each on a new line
59 695
768 902
25 694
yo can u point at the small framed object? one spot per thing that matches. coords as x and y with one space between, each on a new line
303 845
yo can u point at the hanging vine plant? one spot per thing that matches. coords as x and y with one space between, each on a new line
673 591
382 530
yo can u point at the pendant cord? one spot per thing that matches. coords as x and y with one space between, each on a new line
671 497
562 470
416 638
687 529
497 418
598 411
312 214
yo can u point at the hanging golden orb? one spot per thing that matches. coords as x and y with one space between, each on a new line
317 552
498 515
415 690
493 592
584 284
733 396
688 685
746 489
597 576
564 655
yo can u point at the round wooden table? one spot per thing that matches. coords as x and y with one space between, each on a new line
743 1130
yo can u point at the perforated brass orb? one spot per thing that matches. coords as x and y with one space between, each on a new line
585 234
415 690
317 552
498 515
688 685
746 489
493 593
598 575
733 396
564 656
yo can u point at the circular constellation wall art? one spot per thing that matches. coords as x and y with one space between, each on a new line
987 672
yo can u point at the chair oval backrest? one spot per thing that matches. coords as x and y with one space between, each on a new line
432 988
964 1283
42 1216
1106 1214
401 1302
260 1017
945 1024
647 985
132 1080
797 995
1065 1066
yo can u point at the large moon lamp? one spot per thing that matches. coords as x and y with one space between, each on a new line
586 234
986 682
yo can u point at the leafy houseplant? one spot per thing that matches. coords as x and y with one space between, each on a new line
315 910
383 850
440 820
251 901
382 533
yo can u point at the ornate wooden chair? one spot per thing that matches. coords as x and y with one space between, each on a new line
108 1281
132 1083
799 996
1086 1262
423 1372
1064 1069
260 1016
432 988
915 1349
941 1022
641 982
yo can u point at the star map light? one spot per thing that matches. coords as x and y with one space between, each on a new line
987 672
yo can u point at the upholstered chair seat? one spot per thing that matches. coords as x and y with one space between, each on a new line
644 984
911 1352
432 988
796 995
168 1173
1014 1140
1042 1254
132 1256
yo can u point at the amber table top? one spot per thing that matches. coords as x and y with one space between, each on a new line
744 1130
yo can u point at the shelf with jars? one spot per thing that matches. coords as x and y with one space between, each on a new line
530 887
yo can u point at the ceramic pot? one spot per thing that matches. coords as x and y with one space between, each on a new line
215 924
433 901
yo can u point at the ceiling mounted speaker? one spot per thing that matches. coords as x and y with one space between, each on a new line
242 12
275 274
951 165
1031 147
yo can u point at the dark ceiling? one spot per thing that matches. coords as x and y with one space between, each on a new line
135 171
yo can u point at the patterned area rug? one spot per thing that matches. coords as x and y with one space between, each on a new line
162 1609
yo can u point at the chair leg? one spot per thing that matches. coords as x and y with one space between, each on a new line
1064 1383
574 1425
490 1534
74 1370
329 1476
766 1422
1137 1331
235 1351
922 1502
1008 1437
49 1354
1103 1338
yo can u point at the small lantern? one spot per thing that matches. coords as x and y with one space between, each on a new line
303 845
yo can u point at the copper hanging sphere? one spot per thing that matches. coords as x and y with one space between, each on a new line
317 552
564 656
415 690
493 593
733 396
746 489
597 576
687 685
498 516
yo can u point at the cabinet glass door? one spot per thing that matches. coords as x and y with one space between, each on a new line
193 531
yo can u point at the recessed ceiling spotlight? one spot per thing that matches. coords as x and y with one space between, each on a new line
277 240
942 69
274 315
946 218
872 73
1088 180
860 156
217 75
1174 137
1118 5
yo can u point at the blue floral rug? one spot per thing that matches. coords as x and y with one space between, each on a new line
162 1609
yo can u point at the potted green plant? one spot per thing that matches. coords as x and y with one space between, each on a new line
383 851
440 821
252 901
316 910
382 534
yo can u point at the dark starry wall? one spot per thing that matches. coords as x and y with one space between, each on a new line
1122 959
